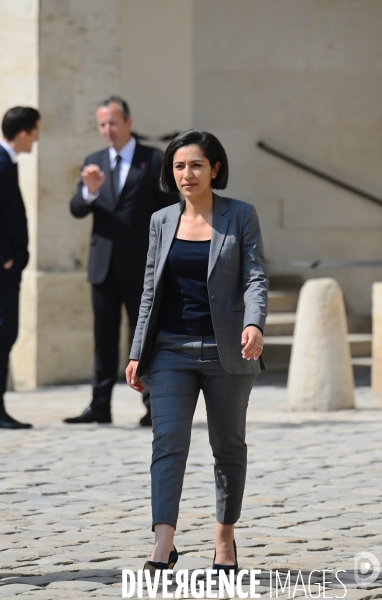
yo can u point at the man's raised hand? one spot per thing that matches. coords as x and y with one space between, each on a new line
93 178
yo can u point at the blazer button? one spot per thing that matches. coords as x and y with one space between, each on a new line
213 298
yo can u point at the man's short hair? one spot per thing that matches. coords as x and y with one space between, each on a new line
19 118
118 100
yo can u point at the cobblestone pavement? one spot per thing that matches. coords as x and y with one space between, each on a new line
75 500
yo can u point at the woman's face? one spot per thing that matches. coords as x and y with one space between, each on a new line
193 172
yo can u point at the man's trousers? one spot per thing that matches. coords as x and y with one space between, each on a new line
9 321
107 300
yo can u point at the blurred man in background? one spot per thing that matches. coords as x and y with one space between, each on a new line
119 187
20 128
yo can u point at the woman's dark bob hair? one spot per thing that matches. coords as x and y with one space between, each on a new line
212 150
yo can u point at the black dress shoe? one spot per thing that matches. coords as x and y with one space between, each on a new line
153 565
227 568
146 420
90 415
8 422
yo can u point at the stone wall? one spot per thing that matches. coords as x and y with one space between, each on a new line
303 74
158 64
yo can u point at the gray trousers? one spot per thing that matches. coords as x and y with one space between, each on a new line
179 368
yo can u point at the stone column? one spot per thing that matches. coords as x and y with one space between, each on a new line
376 369
320 372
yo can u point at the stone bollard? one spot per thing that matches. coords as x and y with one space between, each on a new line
320 371
376 368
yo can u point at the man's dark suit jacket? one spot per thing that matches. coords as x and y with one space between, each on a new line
121 231
13 220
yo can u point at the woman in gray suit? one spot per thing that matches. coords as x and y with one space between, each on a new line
200 327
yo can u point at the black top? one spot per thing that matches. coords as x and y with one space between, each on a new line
13 221
185 306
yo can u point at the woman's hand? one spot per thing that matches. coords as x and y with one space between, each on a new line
253 342
133 381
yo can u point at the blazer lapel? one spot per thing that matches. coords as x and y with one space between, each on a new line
137 168
219 230
168 232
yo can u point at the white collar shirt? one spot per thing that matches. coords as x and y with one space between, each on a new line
126 153
12 153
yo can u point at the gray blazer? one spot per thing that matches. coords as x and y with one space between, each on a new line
237 281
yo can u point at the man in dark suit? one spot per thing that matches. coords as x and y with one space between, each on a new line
20 128
119 186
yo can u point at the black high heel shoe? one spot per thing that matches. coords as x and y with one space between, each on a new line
227 568
152 565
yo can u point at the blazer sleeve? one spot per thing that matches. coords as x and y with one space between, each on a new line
148 294
78 206
255 279
6 250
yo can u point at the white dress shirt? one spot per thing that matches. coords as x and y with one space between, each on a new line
126 153
12 153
